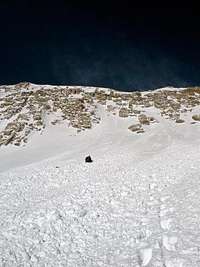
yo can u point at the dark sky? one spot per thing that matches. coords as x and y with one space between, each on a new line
104 44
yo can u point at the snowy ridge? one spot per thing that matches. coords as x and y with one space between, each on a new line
136 205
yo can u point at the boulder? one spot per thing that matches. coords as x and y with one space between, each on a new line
196 117
152 119
135 127
143 119
136 111
140 131
179 121
88 159
123 112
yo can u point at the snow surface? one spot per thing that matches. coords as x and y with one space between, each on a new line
137 204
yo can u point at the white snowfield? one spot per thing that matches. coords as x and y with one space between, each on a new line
137 204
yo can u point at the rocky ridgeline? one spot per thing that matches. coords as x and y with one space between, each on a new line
26 110
25 107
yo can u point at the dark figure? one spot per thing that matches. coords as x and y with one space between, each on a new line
88 159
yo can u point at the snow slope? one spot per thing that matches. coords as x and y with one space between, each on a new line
137 204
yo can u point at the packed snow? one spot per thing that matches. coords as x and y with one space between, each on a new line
137 204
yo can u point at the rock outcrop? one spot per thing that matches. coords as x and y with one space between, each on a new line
25 107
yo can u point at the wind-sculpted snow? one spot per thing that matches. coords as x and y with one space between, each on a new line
136 204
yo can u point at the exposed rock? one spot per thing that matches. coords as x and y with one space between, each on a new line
88 159
179 121
136 111
110 108
123 112
10 138
22 85
152 119
147 105
143 119
196 117
26 107
135 127
140 131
